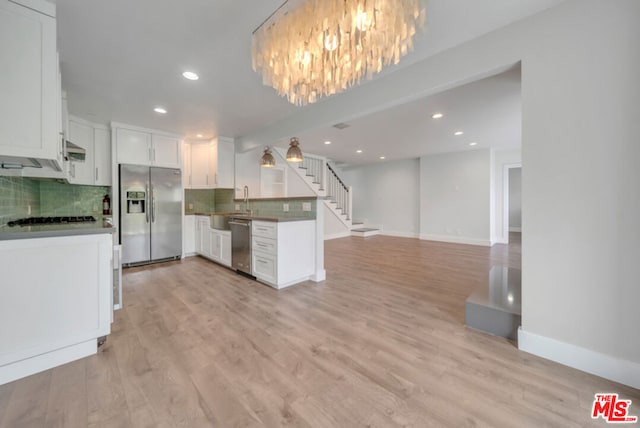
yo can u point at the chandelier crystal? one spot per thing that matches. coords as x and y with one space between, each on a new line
313 48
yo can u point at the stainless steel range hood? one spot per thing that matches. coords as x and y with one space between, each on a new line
75 152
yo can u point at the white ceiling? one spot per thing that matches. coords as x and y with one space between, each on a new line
488 111
121 58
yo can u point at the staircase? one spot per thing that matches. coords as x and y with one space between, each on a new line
323 180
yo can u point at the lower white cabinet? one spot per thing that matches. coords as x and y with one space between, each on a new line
53 314
189 235
212 243
283 253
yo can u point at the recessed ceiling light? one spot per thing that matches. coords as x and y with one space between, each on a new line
190 75
358 151
382 157
473 144
458 133
437 115
327 142
199 135
160 110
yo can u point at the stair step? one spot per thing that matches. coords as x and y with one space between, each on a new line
494 308
365 231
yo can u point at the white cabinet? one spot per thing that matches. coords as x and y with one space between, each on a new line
50 315
283 253
221 246
212 243
211 164
96 140
102 156
146 147
29 84
186 164
189 235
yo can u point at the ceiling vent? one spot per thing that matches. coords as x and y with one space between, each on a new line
341 125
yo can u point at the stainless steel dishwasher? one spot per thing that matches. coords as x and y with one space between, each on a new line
241 245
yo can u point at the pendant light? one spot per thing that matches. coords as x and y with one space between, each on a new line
267 160
294 154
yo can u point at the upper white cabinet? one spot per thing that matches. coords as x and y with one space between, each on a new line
210 164
96 140
146 147
30 100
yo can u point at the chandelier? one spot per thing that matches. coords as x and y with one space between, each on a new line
308 49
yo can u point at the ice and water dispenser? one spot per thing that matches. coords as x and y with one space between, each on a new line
136 202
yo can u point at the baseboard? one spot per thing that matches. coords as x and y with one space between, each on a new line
337 235
319 276
456 240
606 366
515 229
399 234
39 363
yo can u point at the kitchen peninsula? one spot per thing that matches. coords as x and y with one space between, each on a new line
285 240
57 286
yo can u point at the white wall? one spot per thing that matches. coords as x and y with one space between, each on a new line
499 224
515 199
454 197
247 172
387 194
581 204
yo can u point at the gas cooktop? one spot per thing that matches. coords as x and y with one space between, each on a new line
31 221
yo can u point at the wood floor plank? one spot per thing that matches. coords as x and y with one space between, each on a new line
380 343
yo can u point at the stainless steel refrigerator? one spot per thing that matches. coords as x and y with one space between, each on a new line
150 214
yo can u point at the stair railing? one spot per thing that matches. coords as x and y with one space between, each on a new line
340 193
315 169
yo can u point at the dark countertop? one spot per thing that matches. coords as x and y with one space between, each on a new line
53 230
258 217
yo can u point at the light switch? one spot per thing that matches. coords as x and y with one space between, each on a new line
306 206
190 206
285 208
237 207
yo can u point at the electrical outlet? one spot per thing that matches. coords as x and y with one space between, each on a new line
95 207
28 209
237 207
285 208
306 206
190 206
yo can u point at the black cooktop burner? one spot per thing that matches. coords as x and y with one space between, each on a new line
31 221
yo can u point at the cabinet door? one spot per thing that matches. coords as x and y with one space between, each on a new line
165 151
102 156
216 245
205 238
189 235
225 163
81 135
225 249
186 165
133 147
198 236
200 165
29 101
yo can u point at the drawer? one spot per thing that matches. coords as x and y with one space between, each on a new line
264 267
266 245
266 229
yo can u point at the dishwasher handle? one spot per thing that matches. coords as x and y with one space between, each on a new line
237 223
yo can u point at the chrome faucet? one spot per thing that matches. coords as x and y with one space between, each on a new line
246 200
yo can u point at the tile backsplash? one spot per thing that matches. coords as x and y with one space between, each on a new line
222 200
59 199
25 197
19 198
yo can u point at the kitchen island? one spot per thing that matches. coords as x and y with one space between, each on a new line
56 295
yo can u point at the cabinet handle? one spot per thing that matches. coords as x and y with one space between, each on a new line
207 179
216 178
154 154
96 173
150 159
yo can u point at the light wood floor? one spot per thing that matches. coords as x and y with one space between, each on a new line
380 343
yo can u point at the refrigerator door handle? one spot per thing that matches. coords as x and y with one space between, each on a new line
153 205
146 211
